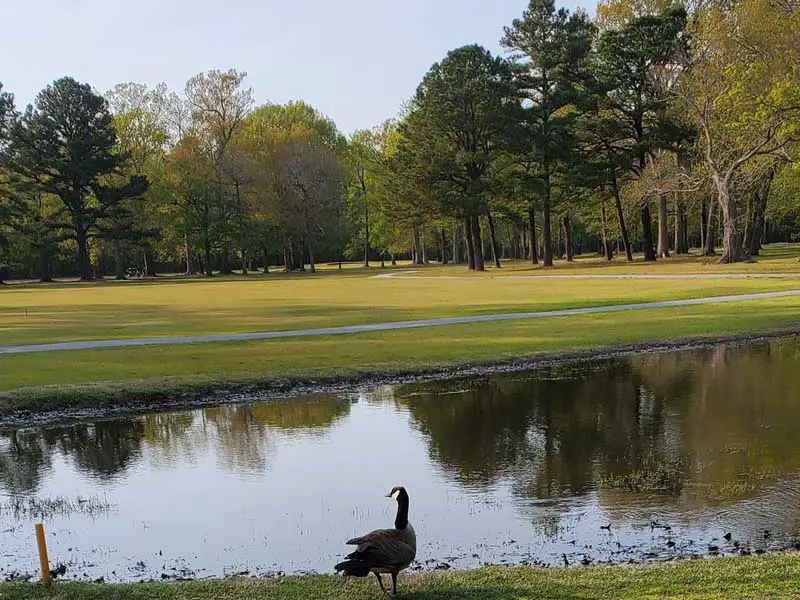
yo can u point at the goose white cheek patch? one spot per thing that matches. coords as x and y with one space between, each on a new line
395 495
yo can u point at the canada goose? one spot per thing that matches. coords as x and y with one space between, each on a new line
384 550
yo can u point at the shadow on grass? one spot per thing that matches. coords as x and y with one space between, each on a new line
482 593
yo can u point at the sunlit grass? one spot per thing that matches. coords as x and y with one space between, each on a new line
145 371
37 314
715 579
40 314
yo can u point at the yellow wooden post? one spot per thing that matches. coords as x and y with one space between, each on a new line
44 563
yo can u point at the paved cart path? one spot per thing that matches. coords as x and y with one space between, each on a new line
389 326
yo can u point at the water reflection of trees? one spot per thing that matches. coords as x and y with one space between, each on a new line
546 433
24 458
239 435
729 411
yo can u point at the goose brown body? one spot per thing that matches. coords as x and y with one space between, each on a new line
384 551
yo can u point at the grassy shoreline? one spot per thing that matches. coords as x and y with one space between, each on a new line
774 576
30 405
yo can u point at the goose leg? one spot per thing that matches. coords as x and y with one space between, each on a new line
380 582
394 584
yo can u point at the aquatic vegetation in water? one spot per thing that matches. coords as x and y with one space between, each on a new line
745 485
655 474
21 508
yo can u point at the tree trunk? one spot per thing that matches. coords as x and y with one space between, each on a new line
456 246
145 261
681 227
119 264
84 266
366 236
44 264
703 221
732 250
663 227
558 252
242 230
188 252
444 247
609 253
225 267
310 247
568 248
477 242
523 248
207 249
470 243
418 251
493 239
755 229
547 233
149 263
708 246
532 236
623 228
647 233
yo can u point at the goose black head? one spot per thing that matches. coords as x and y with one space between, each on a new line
397 493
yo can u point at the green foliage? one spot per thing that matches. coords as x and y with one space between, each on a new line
66 146
459 124
578 123
554 47
295 119
743 94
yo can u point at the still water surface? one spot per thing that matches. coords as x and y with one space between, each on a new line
673 451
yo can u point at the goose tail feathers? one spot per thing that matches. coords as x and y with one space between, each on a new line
354 568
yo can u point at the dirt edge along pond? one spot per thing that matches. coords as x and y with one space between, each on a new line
56 404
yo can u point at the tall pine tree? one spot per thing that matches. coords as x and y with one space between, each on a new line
65 146
554 47
631 60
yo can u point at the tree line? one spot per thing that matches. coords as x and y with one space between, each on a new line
652 128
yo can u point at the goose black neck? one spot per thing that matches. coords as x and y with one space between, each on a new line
401 520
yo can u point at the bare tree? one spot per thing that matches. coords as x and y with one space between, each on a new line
219 103
311 177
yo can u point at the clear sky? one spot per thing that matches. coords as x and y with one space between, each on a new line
355 60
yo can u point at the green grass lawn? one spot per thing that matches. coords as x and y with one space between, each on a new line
107 310
152 371
716 579
64 312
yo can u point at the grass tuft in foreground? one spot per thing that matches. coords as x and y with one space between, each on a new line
723 578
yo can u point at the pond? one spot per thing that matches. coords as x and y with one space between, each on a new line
643 458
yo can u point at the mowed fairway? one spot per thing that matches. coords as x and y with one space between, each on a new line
109 310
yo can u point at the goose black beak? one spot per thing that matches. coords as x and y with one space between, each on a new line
389 495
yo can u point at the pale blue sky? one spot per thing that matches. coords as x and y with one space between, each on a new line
355 60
